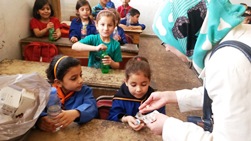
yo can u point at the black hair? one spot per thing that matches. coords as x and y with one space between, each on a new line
81 3
39 5
134 12
138 64
62 67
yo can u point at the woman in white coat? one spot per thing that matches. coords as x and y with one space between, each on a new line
191 30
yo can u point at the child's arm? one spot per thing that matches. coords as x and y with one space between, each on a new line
85 47
57 34
41 33
132 122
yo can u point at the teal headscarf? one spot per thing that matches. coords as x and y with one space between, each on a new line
194 27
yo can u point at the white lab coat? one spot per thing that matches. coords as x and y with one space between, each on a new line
227 77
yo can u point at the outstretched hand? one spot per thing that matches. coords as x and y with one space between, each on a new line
157 100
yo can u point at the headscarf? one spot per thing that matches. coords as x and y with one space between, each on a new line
194 27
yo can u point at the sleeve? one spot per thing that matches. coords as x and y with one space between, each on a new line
117 55
122 36
74 29
117 111
228 81
33 23
177 130
88 110
189 100
142 26
123 21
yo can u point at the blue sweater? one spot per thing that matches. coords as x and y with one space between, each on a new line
136 24
76 26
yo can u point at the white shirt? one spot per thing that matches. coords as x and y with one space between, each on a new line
228 82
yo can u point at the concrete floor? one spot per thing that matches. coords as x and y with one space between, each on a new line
168 72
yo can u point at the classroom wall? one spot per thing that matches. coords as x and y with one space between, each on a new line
15 16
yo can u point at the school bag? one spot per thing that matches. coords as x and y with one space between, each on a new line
104 104
206 121
40 51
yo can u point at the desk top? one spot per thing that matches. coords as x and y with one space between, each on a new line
133 30
92 76
95 130
131 48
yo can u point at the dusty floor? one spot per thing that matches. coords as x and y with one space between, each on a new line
168 72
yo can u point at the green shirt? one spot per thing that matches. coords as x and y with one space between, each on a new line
113 50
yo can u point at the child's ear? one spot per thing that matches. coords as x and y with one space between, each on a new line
58 83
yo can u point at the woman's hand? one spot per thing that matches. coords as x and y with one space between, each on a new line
157 126
157 100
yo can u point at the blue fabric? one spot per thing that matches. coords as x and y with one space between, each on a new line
96 9
136 24
127 107
84 102
122 35
175 24
113 50
76 26
110 4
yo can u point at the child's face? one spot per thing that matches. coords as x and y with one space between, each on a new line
72 80
138 84
125 2
103 2
84 12
105 26
135 19
45 11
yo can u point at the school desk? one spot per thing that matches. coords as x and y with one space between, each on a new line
102 84
95 130
134 34
64 47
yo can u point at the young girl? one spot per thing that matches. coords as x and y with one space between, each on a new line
78 103
83 25
118 33
96 44
132 93
124 8
43 20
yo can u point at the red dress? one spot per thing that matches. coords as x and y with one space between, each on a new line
35 23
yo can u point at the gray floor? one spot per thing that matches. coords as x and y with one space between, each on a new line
168 72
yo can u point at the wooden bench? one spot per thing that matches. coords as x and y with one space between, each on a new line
64 47
134 34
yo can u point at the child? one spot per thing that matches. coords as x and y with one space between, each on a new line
134 21
132 93
96 44
102 5
110 4
78 103
43 20
118 33
124 8
83 25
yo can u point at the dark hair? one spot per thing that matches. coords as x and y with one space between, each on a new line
81 3
137 64
134 12
39 5
106 13
62 67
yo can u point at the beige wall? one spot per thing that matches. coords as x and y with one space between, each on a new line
15 16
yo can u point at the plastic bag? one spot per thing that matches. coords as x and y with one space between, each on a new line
33 83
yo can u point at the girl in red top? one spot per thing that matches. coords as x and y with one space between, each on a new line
43 20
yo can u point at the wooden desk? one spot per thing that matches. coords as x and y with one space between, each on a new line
102 84
95 130
64 47
134 34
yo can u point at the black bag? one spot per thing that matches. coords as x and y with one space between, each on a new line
207 120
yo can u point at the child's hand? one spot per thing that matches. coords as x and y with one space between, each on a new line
134 123
117 37
67 117
101 47
107 60
46 124
74 39
50 25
